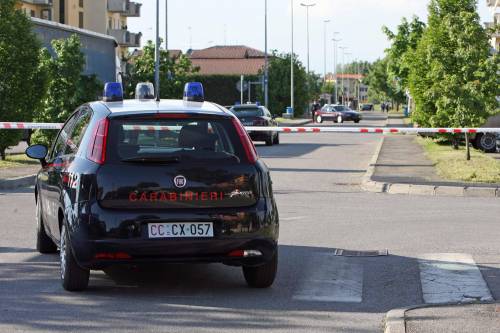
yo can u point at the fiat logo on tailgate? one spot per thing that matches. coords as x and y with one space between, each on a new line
180 181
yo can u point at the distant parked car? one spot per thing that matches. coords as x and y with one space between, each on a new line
366 107
487 141
256 115
338 114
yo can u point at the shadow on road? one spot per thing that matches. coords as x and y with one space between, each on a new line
290 150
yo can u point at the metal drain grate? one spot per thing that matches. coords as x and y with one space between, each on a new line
353 253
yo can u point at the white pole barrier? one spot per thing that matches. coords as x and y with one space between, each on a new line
381 130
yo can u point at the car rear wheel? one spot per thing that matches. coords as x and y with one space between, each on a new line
43 242
319 119
276 140
356 121
262 276
73 277
486 142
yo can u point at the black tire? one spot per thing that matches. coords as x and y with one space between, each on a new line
356 121
73 277
319 119
276 140
269 140
44 243
486 142
262 276
340 119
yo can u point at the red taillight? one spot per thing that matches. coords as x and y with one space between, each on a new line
97 146
247 143
236 253
112 256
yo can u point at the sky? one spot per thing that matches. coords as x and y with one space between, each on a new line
203 23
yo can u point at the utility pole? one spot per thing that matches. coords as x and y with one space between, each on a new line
157 51
190 37
307 14
266 68
292 66
324 50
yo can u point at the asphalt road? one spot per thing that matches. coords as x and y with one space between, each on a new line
322 209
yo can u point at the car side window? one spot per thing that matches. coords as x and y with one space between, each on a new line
59 147
78 131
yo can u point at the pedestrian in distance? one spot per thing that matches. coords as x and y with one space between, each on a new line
382 106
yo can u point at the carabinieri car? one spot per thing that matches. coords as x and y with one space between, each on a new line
146 181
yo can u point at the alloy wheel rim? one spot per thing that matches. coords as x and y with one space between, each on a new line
339 119
318 119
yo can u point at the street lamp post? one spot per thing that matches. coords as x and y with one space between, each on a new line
291 67
335 41
266 69
343 48
307 13
348 82
324 50
157 51
166 25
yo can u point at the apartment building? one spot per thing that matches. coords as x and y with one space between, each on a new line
107 17
494 6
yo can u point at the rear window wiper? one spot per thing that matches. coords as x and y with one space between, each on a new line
152 159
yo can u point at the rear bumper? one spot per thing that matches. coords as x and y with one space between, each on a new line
260 136
111 232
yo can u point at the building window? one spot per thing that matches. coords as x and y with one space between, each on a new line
80 20
62 11
80 3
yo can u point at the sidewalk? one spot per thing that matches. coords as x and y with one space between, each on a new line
293 122
484 318
402 167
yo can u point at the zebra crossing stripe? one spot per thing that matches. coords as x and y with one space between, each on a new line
451 278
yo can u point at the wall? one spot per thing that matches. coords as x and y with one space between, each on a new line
99 50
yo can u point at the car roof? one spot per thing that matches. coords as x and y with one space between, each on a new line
133 106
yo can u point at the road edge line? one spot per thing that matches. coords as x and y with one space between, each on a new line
13 183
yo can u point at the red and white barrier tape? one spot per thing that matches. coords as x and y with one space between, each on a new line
12 125
382 130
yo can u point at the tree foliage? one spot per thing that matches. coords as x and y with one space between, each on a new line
22 77
453 78
64 78
279 84
174 72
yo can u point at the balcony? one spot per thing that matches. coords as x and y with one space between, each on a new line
46 3
125 7
126 38
133 9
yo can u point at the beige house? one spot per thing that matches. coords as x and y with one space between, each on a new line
102 16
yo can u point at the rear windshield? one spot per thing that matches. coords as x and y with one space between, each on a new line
173 140
248 112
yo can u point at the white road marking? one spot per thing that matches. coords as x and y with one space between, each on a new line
332 279
450 278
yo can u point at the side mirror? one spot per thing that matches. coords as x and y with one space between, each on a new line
37 152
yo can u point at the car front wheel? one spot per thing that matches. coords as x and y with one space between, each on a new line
319 119
340 120
73 277
262 276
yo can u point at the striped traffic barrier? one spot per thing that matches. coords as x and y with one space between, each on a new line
381 130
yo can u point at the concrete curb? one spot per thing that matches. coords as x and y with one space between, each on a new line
369 185
395 320
13 183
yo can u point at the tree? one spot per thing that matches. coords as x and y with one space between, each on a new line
403 45
377 80
62 94
453 78
174 72
22 78
279 84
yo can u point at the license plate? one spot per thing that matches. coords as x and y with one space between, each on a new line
247 123
180 230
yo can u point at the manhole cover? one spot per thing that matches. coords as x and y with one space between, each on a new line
354 253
